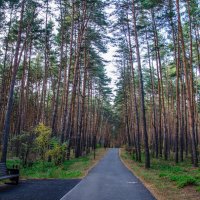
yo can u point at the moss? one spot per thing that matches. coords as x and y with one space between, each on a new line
198 188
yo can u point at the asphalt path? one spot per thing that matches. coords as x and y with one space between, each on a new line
52 189
109 180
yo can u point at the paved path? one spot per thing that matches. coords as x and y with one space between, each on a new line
52 189
109 180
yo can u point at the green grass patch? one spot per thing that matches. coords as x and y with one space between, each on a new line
163 172
74 168
183 180
198 188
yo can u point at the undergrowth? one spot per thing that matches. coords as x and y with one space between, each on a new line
74 168
182 173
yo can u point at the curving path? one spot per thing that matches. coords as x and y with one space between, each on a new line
109 180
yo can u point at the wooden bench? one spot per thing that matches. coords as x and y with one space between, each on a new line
12 174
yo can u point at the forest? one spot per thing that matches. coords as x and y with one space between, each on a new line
54 87
158 90
56 99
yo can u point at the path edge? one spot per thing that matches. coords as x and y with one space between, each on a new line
95 164
86 173
152 191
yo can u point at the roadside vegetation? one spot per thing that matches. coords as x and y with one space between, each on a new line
73 168
165 179
38 155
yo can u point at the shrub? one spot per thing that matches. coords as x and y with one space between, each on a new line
43 139
183 180
57 152
23 145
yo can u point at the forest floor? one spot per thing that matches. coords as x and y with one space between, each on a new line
166 180
73 168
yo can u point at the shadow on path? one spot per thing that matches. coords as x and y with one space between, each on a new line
52 189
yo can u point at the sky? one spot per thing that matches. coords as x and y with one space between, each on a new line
110 67
109 56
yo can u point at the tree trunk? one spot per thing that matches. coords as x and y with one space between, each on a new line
143 112
6 130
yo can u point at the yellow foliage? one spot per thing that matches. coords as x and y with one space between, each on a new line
68 19
58 153
43 138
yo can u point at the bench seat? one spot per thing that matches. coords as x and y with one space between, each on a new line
5 173
8 176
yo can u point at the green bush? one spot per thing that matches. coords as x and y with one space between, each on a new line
23 145
183 180
57 152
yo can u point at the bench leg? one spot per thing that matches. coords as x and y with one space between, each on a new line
15 180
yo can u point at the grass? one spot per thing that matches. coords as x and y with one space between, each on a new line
166 179
183 174
74 168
